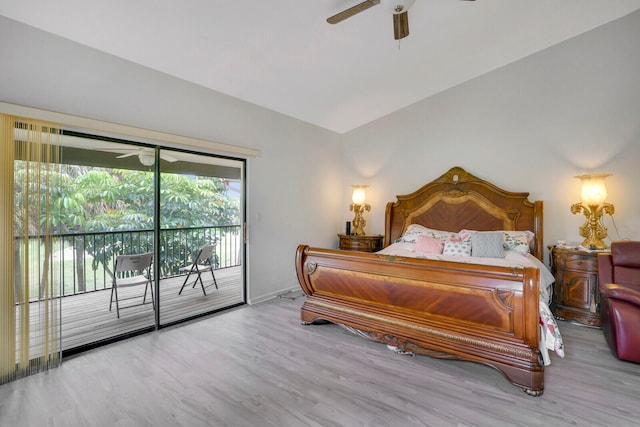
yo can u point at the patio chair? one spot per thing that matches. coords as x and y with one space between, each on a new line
201 264
132 270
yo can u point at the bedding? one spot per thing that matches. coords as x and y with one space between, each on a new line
489 310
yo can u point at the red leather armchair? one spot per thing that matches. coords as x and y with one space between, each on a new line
619 278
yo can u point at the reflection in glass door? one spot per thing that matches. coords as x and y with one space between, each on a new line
200 238
106 194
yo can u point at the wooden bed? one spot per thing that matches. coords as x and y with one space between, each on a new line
472 312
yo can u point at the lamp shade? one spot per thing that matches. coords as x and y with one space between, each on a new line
593 190
359 196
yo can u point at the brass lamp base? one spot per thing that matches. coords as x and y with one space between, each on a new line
593 230
593 243
358 222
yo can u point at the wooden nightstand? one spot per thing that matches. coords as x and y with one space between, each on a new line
360 243
575 292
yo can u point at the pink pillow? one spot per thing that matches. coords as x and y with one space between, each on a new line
429 244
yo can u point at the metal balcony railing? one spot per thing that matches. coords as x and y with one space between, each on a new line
83 262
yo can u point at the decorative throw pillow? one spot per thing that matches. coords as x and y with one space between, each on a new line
488 244
513 240
429 244
457 248
414 230
464 235
518 241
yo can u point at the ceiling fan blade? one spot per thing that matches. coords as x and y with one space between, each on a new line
116 150
134 153
167 158
400 25
348 13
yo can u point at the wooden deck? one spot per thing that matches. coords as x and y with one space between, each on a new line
86 318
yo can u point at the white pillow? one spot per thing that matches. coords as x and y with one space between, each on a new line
414 230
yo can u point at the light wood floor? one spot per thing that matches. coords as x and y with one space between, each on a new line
258 366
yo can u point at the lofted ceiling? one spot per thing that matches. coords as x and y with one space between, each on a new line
284 56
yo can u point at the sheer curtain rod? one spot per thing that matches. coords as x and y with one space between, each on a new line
71 121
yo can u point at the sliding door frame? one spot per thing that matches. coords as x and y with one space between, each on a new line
157 324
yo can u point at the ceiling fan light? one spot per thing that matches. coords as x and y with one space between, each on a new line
397 6
147 159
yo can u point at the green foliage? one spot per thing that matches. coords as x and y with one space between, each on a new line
93 200
195 202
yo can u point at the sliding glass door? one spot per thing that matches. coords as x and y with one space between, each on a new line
126 199
200 243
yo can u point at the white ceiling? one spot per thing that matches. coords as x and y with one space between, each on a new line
284 56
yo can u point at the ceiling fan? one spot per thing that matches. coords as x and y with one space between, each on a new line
398 8
146 156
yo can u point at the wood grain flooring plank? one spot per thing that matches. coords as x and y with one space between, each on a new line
258 366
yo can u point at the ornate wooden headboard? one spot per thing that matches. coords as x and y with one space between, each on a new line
458 200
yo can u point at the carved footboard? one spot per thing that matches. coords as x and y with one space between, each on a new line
471 312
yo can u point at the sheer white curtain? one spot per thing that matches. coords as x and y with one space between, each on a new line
29 303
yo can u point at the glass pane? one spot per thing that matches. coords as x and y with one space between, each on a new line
201 239
107 195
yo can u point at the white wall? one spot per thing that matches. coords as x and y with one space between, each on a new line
291 186
529 126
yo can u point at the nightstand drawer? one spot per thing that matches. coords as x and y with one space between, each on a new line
580 263
360 243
